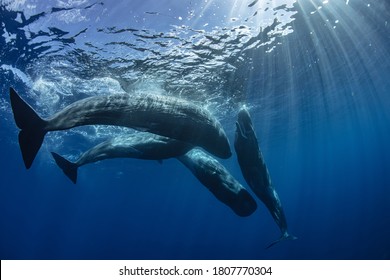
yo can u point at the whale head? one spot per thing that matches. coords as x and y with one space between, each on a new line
244 121
244 126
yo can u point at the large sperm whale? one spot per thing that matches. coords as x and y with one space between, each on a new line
164 115
255 171
219 181
141 145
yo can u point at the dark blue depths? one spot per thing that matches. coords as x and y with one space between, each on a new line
324 130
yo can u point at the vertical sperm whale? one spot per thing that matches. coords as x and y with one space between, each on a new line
255 171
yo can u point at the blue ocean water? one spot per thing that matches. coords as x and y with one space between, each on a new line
315 76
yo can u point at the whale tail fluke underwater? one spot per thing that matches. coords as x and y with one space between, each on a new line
69 168
285 236
31 125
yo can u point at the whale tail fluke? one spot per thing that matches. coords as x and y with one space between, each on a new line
68 167
31 125
285 236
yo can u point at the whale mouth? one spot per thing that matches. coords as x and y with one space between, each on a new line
244 126
240 131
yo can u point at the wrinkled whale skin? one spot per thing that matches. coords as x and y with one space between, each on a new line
164 115
214 176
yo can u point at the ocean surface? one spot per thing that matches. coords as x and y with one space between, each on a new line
315 76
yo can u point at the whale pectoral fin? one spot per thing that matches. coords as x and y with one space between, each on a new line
135 152
285 236
152 127
239 130
142 129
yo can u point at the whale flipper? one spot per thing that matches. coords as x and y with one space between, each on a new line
31 125
285 236
69 168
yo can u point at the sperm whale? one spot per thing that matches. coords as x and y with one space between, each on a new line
139 145
255 172
164 115
219 181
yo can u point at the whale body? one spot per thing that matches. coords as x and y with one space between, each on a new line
255 171
164 115
141 145
219 181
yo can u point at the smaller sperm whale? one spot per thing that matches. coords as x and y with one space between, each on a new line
140 145
219 181
163 115
255 171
